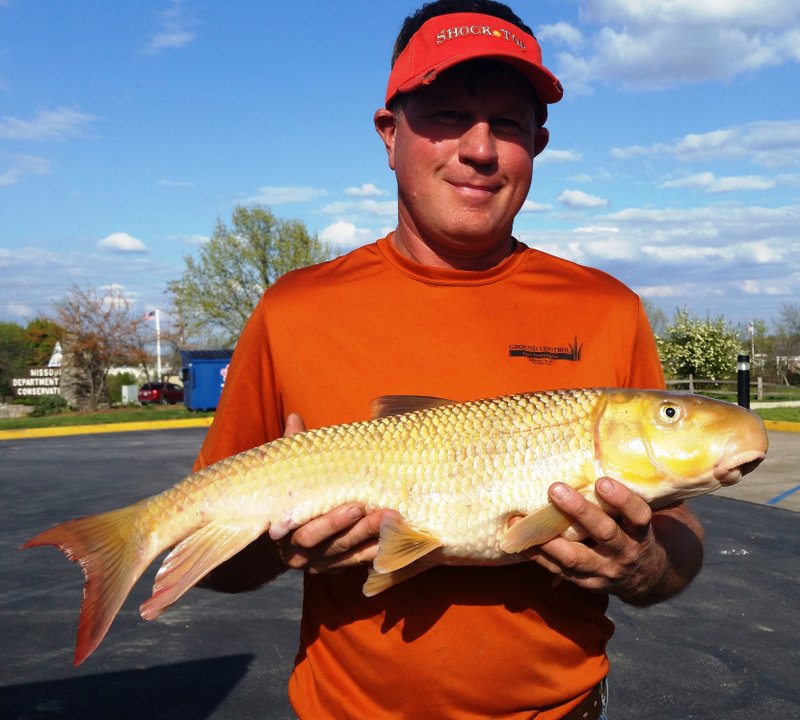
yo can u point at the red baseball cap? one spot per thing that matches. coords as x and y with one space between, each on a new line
447 40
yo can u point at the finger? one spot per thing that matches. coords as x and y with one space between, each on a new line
633 510
359 555
294 424
326 526
356 545
365 530
597 523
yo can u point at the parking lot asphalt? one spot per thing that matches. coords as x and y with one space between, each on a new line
727 647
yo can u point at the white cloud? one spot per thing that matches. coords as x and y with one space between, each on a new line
600 174
18 311
21 166
771 143
597 230
614 248
697 257
529 206
383 209
710 183
558 156
56 124
683 253
277 195
771 287
116 295
561 32
673 290
173 32
346 235
33 278
579 200
365 191
121 242
655 44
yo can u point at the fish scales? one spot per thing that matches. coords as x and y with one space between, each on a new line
482 461
456 473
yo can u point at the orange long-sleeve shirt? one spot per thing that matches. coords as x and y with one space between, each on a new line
323 342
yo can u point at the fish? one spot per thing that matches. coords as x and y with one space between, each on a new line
456 473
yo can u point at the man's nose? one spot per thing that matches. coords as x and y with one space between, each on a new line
477 144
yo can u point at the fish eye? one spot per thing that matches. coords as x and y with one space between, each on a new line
670 412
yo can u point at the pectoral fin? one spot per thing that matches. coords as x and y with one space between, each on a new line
534 529
400 545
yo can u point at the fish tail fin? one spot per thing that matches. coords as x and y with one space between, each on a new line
196 556
104 546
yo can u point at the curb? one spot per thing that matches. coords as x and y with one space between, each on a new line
782 426
104 428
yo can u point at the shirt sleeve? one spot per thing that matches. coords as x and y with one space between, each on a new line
250 408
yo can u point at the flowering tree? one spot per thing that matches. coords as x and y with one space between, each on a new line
99 332
702 348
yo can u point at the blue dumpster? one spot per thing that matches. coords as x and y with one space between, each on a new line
203 376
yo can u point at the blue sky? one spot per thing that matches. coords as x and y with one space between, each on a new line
128 129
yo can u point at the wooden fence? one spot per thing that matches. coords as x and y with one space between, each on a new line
727 389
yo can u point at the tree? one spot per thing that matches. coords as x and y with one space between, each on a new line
42 334
218 291
100 331
655 316
787 347
703 348
13 354
24 347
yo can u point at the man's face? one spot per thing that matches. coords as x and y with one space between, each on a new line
462 150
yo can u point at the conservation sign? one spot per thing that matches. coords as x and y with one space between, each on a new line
40 381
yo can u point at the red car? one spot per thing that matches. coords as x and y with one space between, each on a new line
160 393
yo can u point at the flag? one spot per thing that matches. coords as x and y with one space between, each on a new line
150 315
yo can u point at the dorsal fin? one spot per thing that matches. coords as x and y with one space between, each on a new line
388 405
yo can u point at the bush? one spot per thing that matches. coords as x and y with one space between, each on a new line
115 382
49 405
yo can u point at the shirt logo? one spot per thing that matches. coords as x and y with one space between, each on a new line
548 354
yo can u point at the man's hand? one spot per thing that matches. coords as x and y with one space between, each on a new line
345 536
643 557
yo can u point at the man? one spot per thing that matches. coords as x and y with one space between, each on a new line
450 304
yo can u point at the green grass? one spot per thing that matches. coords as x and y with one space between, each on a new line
789 414
118 415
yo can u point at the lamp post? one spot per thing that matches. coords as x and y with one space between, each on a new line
743 380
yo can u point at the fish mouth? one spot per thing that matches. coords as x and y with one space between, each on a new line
730 470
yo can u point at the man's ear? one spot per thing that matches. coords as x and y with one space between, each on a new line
386 126
540 140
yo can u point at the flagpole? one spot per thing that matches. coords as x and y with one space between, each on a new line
158 342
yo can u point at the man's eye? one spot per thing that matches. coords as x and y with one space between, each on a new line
506 123
449 117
